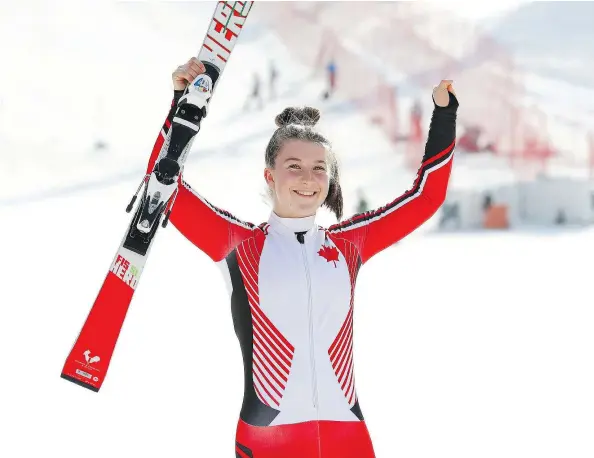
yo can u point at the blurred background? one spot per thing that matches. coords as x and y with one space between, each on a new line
493 359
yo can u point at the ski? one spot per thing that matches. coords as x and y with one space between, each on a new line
89 358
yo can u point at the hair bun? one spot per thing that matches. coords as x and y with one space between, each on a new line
306 116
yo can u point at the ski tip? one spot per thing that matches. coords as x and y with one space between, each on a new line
78 382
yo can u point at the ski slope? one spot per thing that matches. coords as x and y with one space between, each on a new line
466 345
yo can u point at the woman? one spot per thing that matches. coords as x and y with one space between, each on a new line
292 282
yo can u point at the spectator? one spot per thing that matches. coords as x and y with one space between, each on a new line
273 76
255 94
331 72
362 204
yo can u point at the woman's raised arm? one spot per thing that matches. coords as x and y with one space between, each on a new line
375 230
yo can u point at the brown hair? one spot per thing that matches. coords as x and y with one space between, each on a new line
298 124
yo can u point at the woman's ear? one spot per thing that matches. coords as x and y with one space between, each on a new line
269 177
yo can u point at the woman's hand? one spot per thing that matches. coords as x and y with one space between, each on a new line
185 74
440 93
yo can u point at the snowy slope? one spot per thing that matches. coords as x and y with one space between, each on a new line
466 345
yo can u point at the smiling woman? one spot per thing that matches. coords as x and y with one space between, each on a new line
301 168
292 281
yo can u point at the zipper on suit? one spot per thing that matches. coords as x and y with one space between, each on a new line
310 315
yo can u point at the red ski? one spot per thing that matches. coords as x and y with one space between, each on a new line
89 359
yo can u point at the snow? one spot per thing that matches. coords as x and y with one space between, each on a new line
466 345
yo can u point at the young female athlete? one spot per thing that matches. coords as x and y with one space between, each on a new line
292 282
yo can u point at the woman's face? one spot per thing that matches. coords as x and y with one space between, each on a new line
299 179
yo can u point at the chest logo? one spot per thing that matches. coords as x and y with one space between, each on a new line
329 253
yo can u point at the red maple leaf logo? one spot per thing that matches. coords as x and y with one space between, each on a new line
330 253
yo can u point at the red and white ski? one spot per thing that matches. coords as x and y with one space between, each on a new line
89 358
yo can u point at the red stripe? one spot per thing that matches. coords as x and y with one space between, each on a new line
266 337
270 384
278 363
344 359
349 362
262 398
270 368
273 348
246 268
218 44
264 387
340 337
349 388
230 6
240 453
249 280
253 297
341 354
353 396
260 316
440 155
276 334
228 30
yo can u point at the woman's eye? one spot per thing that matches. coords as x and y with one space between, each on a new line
293 166
320 168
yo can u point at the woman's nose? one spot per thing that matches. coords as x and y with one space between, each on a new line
306 175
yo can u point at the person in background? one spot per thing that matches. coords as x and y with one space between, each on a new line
273 77
362 203
255 95
331 74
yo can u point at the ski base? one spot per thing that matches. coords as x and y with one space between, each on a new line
79 383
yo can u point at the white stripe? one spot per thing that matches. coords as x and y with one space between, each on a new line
262 362
282 367
270 390
183 122
348 377
257 390
245 271
343 360
270 347
252 255
287 352
265 376
344 363
251 291
351 390
214 209
342 337
348 369
253 302
404 202
340 351
261 393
